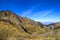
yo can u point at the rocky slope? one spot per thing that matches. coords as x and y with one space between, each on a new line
14 27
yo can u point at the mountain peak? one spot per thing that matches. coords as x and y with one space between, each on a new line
5 13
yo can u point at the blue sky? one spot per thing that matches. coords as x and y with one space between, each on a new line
39 10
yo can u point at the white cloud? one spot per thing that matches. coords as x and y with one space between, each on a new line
46 13
27 12
39 14
42 14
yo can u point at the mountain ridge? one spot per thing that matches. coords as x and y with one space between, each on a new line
26 25
21 27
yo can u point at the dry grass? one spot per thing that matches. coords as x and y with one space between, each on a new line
11 32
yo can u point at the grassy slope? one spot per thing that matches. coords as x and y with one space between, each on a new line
11 31
7 30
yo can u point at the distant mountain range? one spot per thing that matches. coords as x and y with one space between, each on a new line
47 23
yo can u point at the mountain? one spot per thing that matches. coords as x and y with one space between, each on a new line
57 30
48 23
14 26
56 25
